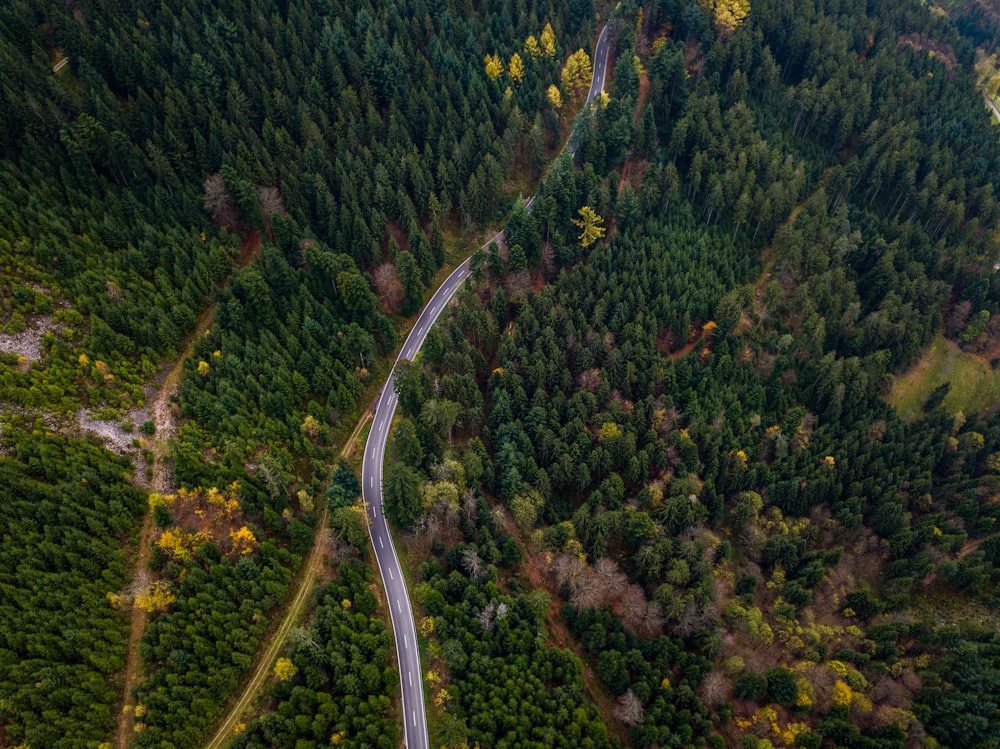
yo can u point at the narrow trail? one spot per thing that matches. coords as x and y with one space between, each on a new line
162 483
962 554
266 656
166 426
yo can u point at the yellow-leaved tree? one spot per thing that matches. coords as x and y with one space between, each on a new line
244 541
554 97
515 68
157 597
590 222
548 41
531 46
727 14
284 669
494 66
576 74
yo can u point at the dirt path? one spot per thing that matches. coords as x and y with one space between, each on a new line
165 421
962 554
307 578
166 427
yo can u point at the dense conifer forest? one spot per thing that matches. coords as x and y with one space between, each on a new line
686 426
280 181
646 471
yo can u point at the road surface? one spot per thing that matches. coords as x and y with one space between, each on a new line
397 598
992 106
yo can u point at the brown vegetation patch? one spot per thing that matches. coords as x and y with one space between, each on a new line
249 248
923 43
694 59
643 97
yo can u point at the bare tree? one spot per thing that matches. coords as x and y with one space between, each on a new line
219 203
690 621
715 689
472 563
486 616
586 591
613 581
652 622
633 607
630 710
567 568
469 505
518 285
590 380
388 286
271 203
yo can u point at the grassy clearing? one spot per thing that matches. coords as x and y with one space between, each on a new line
974 384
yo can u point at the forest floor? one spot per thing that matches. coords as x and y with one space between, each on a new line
307 577
975 385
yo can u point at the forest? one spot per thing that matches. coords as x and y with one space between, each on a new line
686 426
649 485
263 192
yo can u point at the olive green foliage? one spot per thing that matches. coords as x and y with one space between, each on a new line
65 507
343 690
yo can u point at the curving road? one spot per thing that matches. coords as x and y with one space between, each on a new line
397 598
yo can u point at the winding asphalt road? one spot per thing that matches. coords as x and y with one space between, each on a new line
397 597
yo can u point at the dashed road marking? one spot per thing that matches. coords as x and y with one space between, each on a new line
381 545
391 576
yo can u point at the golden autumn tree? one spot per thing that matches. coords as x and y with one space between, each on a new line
244 541
494 66
310 427
548 41
554 97
157 597
590 223
515 68
727 14
176 543
284 669
532 47
576 74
